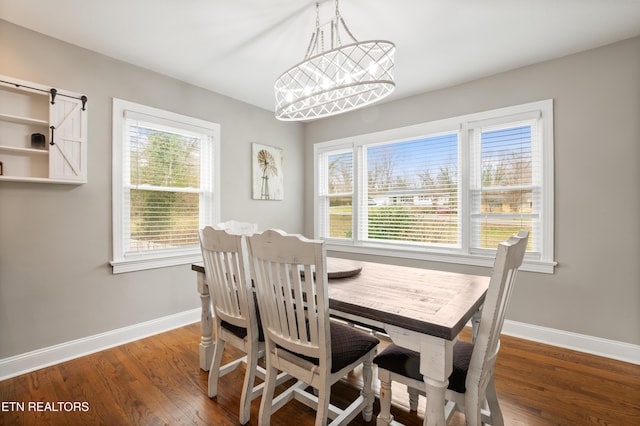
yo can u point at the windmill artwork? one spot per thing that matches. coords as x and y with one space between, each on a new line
268 178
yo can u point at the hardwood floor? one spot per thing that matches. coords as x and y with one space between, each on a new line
157 381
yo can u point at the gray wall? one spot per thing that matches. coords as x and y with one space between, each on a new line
596 287
55 240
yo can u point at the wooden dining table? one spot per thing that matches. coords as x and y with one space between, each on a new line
421 309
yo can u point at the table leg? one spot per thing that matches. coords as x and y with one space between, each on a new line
436 365
384 418
206 324
434 412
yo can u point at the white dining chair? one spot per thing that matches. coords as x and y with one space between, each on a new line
236 317
238 228
471 388
300 339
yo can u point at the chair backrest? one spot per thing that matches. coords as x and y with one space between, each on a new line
509 257
291 283
229 278
238 228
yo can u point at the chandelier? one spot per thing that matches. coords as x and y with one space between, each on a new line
341 79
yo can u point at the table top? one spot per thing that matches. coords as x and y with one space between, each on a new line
423 300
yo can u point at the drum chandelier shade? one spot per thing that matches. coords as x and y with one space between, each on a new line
341 79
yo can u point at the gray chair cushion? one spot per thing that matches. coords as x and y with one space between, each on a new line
241 332
347 345
407 363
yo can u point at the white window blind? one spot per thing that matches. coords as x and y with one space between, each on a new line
164 187
507 186
412 191
165 178
337 194
447 191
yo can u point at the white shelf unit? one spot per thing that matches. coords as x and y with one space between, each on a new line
28 108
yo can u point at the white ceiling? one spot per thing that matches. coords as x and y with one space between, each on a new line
239 47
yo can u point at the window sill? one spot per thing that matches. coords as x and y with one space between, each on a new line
141 264
529 265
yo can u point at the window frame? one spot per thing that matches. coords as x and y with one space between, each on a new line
128 262
464 125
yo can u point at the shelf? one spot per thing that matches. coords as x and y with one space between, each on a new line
38 180
16 149
28 110
23 120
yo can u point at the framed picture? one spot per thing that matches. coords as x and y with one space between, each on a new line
268 174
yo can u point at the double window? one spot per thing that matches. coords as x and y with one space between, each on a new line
165 175
445 191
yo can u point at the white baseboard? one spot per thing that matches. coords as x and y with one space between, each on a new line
579 342
35 360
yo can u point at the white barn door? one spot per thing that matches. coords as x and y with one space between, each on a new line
68 149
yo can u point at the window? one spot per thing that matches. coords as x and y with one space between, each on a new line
165 177
446 191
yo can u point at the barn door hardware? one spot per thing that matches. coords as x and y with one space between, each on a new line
53 92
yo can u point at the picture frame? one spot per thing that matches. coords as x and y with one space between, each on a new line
268 172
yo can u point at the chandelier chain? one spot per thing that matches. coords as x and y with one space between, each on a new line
335 26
